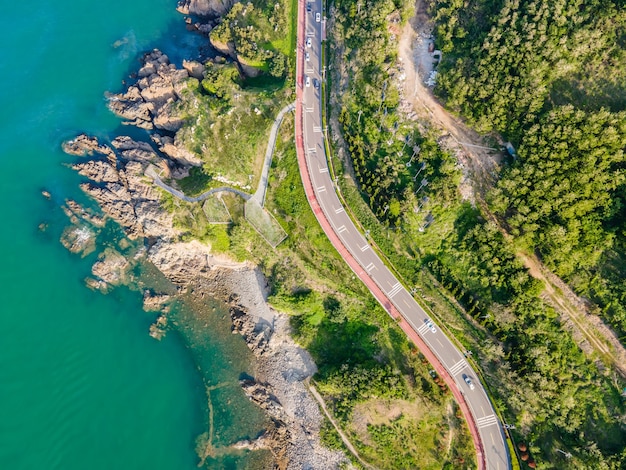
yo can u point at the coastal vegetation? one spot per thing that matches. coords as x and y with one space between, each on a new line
377 385
226 125
227 115
455 256
261 34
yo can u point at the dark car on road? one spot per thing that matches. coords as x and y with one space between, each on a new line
468 381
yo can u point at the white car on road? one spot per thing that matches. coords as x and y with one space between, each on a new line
308 81
468 381
318 17
308 42
430 325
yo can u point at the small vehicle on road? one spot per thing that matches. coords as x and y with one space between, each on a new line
308 42
308 6
307 56
430 325
316 83
468 381
308 81
318 17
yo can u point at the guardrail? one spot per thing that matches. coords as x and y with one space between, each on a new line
351 261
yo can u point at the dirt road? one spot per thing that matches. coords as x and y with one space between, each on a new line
479 164
480 167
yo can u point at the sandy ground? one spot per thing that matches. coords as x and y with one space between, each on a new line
282 367
479 165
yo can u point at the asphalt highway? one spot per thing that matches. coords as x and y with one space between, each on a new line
483 422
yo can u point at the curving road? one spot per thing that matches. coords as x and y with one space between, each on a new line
180 195
259 195
448 361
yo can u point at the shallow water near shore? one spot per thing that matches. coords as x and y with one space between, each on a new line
82 385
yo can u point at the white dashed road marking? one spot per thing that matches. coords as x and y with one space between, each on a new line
456 368
486 421
395 289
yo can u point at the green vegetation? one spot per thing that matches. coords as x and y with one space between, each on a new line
369 373
264 223
503 59
227 115
510 68
215 210
227 126
568 391
256 32
193 222
500 59
197 181
374 381
551 77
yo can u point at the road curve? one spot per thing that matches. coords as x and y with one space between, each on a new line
180 195
447 360
261 189
259 194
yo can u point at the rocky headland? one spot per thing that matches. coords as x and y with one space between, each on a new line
204 8
115 177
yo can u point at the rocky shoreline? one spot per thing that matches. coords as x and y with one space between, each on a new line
116 179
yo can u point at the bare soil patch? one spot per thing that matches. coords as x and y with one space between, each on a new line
477 158
383 412
480 164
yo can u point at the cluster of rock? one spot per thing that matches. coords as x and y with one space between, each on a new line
117 183
117 180
255 333
204 8
148 104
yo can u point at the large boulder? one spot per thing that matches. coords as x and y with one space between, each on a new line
149 103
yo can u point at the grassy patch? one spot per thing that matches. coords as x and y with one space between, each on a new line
264 223
227 126
194 184
361 354
215 210
259 32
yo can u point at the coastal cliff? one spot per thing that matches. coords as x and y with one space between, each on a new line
119 177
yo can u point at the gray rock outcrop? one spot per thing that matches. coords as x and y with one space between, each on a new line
149 104
205 8
118 184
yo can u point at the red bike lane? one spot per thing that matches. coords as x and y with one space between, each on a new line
351 261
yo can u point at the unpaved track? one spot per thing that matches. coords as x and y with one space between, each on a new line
480 166
344 438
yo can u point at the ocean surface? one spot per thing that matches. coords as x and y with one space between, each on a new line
82 385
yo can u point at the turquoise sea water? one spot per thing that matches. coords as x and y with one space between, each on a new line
82 385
